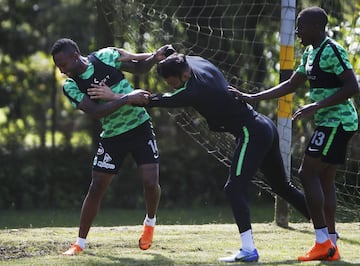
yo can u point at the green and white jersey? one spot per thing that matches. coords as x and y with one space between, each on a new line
126 117
331 62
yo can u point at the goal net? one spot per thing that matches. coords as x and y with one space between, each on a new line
242 39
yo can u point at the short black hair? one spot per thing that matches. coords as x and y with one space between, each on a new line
314 15
172 66
64 45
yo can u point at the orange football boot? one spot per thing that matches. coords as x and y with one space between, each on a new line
146 237
73 250
319 251
336 255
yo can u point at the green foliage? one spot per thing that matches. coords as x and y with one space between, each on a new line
27 80
59 178
40 178
43 160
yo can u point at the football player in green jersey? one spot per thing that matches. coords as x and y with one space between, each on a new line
126 128
326 66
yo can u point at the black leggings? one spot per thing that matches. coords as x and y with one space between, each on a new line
258 148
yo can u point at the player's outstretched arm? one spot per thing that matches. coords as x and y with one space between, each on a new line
249 98
284 88
143 62
99 110
129 56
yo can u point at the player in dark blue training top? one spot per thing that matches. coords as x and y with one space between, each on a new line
199 84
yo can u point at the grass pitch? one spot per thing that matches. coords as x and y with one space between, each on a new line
173 245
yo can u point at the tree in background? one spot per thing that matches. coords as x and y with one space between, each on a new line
34 115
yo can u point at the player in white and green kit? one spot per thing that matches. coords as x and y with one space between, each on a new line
326 66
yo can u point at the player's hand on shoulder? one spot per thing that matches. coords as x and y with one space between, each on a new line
101 91
239 95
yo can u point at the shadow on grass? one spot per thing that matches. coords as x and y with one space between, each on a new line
157 260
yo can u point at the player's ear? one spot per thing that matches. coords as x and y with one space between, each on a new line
75 56
186 75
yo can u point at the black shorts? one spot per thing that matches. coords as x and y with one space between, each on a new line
329 143
140 142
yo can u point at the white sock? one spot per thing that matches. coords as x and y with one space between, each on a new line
321 235
247 241
81 242
150 221
333 238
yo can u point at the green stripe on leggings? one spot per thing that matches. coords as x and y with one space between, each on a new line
242 152
329 142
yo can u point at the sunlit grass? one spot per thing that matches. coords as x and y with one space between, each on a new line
173 245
